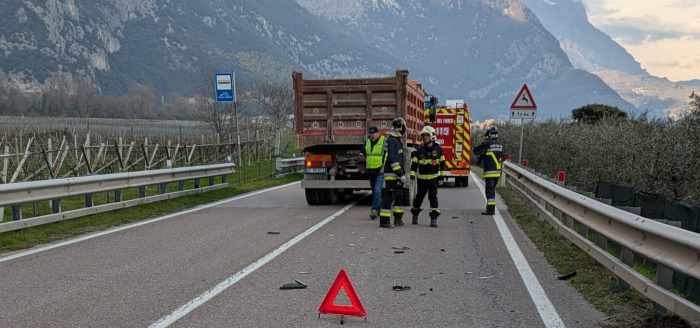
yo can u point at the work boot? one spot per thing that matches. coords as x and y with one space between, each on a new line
384 222
434 218
490 210
414 213
373 215
433 222
398 220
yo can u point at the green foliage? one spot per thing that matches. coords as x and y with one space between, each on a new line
594 113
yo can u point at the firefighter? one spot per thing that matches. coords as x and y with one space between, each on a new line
426 163
373 154
394 175
490 157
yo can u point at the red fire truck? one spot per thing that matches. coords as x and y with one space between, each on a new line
453 127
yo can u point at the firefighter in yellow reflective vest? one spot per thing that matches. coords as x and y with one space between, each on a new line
490 157
394 175
426 163
374 156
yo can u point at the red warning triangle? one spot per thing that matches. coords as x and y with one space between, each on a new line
524 100
328 306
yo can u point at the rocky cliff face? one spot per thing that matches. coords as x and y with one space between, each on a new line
481 50
173 44
592 50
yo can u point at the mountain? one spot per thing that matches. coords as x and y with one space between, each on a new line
592 50
481 50
173 45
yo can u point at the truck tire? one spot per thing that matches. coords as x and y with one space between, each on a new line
312 196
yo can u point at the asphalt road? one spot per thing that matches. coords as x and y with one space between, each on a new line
461 274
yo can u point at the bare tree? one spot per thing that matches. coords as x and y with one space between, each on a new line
275 101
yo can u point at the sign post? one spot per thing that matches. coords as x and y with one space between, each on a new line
225 91
524 108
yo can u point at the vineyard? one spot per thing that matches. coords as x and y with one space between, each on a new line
42 148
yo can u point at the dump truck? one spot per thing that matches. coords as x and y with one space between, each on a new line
452 125
331 118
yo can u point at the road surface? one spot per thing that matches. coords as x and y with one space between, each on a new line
220 267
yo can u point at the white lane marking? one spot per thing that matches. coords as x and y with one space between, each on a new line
138 224
545 308
200 300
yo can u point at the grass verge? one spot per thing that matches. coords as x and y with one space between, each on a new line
26 238
623 307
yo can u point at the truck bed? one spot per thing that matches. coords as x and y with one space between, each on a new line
339 111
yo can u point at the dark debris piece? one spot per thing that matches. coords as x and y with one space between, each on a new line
398 288
567 276
294 285
273 232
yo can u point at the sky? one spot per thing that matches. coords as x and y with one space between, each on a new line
663 35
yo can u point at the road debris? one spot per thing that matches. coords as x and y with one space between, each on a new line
294 285
273 232
398 288
399 252
567 276
486 277
402 248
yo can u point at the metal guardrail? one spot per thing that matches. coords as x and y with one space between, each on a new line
16 194
593 226
289 165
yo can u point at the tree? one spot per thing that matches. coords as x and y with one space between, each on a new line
592 114
694 104
276 102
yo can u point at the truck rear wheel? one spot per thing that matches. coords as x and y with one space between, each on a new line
313 196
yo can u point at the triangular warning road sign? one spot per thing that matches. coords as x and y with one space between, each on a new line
524 100
328 306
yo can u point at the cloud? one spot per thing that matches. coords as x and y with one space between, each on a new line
664 35
636 30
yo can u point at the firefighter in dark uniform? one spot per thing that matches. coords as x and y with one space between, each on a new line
426 163
490 157
394 175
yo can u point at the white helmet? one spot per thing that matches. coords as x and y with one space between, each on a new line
429 130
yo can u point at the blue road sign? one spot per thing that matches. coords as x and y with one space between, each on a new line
225 87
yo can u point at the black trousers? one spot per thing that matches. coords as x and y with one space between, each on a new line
391 197
429 187
490 190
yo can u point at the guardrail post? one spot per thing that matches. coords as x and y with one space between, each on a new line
181 185
88 200
664 278
197 183
35 209
2 213
118 196
162 188
627 257
224 179
142 192
56 206
16 212
211 181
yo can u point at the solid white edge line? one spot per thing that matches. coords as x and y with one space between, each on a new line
545 308
138 224
200 300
